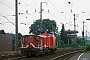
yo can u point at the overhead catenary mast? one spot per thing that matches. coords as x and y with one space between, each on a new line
74 28
16 26
41 15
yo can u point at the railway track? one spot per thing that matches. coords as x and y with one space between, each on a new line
9 56
66 56
59 54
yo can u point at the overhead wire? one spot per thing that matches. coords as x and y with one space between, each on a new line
6 5
5 16
51 13
12 9
7 19
79 9
31 7
8 2
13 5
57 9
24 4
82 6
33 13
3 22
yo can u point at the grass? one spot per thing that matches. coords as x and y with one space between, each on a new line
87 51
8 52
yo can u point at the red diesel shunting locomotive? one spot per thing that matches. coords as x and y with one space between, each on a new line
38 44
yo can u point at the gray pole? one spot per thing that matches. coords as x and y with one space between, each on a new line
16 26
68 41
74 23
83 29
41 16
86 34
74 29
83 26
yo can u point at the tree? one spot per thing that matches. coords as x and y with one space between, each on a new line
13 42
19 40
35 27
87 47
47 24
80 42
63 35
2 32
84 43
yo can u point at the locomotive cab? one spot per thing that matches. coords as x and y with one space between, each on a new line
30 45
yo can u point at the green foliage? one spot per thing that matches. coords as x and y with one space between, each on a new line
19 41
35 27
84 43
47 24
60 43
2 32
13 42
87 47
63 35
73 44
80 42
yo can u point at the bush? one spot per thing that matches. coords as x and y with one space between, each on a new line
60 44
87 47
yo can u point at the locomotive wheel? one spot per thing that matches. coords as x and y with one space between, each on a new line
37 53
46 50
28 55
52 50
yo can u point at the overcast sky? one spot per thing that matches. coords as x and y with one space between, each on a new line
52 10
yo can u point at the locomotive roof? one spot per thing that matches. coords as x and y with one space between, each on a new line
70 31
39 34
46 31
28 35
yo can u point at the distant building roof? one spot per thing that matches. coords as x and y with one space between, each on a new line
71 31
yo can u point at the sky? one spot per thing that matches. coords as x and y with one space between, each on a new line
61 11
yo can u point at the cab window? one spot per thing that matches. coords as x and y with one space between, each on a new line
30 36
49 34
26 38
